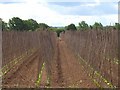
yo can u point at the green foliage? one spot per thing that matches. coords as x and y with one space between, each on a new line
43 26
16 24
52 29
30 24
71 27
58 31
4 26
91 27
26 25
117 26
21 25
97 25
83 26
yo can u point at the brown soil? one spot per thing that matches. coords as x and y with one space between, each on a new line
25 75
43 82
69 71
66 71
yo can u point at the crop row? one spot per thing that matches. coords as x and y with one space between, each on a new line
17 45
99 49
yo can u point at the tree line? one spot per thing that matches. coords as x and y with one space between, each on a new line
97 25
17 24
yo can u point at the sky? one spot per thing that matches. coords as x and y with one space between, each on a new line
61 12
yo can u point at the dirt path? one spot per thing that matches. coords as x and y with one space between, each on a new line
69 71
66 71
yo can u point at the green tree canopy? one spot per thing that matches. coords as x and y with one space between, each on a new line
83 25
97 25
58 31
16 24
30 24
71 27
43 26
117 26
4 26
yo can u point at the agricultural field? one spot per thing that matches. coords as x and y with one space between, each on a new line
76 59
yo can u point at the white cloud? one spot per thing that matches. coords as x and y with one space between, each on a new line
11 1
25 10
105 19
115 6
42 13
93 4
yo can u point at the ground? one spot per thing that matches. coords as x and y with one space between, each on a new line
66 71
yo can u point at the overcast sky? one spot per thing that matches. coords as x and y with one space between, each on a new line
61 12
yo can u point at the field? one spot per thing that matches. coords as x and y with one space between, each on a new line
77 59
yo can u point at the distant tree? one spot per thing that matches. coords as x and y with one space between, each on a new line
91 27
52 29
71 27
58 31
27 27
83 26
16 24
117 26
43 26
97 25
30 24
4 26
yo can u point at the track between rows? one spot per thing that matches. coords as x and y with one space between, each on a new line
66 71
70 72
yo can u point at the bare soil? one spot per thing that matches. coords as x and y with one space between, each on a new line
69 71
25 75
66 72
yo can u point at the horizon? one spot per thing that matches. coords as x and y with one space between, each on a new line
61 13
